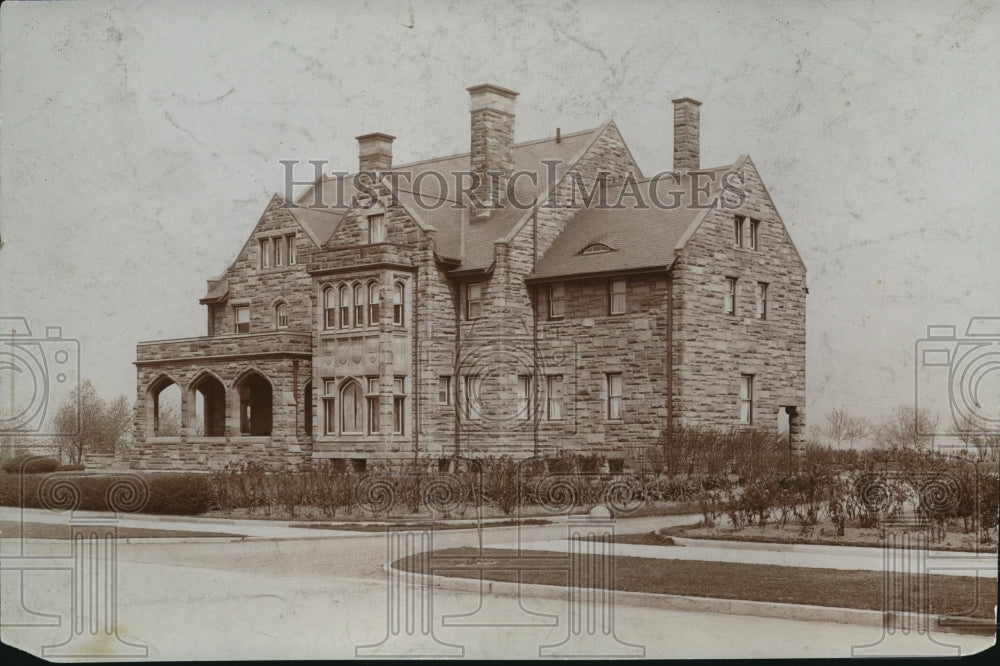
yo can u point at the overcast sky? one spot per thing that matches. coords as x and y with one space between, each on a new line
141 141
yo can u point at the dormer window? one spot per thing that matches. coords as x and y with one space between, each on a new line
376 229
473 300
596 248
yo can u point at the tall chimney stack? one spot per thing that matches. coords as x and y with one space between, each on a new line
375 152
492 109
687 118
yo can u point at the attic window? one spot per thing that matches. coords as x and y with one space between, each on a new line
596 248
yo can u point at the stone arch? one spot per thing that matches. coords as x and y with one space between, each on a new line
254 403
207 393
164 414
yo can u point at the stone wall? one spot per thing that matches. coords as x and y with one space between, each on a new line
263 288
712 349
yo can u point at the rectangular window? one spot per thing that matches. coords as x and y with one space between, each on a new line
265 253
754 240
557 301
746 399
290 245
761 300
525 397
329 413
398 406
616 291
472 399
376 229
738 231
553 398
372 399
444 390
614 395
279 251
473 300
242 320
730 305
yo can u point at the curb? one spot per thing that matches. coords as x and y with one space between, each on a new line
799 612
815 548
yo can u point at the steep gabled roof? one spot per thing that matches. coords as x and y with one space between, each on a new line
642 231
435 207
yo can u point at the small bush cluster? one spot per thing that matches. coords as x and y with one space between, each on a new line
30 464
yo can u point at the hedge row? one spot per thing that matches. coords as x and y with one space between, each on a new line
159 493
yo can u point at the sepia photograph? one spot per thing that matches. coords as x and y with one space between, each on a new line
411 329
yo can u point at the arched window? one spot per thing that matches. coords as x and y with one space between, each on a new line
329 308
373 303
398 291
359 305
352 408
345 306
281 315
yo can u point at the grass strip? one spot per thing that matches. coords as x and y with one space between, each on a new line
438 525
12 529
837 588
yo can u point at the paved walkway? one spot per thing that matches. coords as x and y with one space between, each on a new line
543 538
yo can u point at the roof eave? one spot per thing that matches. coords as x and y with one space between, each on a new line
586 275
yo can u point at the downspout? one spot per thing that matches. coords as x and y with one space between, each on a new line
456 377
415 355
670 357
534 333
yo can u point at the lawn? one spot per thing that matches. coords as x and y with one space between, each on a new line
823 533
438 525
949 595
12 529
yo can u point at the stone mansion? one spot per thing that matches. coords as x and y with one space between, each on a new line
520 298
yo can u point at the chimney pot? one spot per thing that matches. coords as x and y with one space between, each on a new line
375 152
687 120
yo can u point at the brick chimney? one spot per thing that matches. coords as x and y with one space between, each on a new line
492 109
687 117
375 152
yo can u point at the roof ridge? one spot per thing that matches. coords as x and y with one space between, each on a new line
519 144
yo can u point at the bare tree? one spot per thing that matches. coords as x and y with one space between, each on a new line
102 425
906 427
978 436
841 426
836 425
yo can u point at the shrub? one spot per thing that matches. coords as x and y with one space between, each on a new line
166 492
30 464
